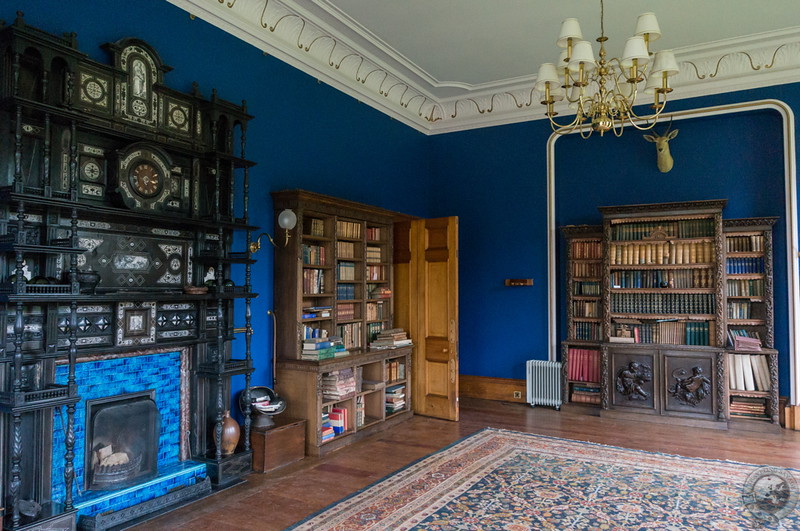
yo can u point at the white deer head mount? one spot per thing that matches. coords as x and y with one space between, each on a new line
664 159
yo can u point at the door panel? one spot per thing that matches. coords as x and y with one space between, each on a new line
426 304
436 368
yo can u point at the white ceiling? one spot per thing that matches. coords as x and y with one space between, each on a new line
445 65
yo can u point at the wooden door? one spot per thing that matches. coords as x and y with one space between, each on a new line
426 302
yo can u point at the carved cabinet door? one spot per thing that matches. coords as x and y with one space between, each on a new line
633 379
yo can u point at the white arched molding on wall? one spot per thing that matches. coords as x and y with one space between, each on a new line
790 191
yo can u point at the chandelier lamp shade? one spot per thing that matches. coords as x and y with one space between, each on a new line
603 92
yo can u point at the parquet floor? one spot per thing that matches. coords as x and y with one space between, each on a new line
276 500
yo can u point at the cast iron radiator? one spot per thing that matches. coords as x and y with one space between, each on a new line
544 383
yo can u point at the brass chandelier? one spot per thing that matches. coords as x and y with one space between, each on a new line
603 92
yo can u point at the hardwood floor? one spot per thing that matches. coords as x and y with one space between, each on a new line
276 500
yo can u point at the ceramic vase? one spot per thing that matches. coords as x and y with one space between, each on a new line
230 434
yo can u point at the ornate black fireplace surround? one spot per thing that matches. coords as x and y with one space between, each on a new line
116 204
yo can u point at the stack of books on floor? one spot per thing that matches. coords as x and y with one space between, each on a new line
326 430
338 385
392 338
323 348
395 398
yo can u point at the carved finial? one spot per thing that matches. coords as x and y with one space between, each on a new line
72 39
19 20
196 90
244 105
213 94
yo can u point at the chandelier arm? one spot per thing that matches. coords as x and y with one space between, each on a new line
567 128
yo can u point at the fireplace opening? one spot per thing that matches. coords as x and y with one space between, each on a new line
121 440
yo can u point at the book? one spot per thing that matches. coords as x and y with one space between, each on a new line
747 369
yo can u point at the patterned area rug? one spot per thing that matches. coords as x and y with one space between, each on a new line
505 480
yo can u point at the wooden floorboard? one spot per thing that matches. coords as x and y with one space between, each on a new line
275 500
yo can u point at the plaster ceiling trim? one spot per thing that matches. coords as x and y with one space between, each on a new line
357 66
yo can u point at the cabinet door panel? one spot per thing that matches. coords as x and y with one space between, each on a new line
632 379
688 382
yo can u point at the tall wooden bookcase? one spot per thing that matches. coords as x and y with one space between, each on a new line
678 284
581 351
334 278
749 292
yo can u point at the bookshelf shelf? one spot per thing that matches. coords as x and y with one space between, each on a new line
353 243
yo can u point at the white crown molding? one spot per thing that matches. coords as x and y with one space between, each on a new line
359 67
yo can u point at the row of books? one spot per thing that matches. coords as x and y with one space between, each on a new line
586 287
672 332
313 281
391 338
346 271
585 308
586 249
360 411
747 406
663 303
339 385
375 272
314 312
345 292
374 253
739 310
744 266
317 227
376 311
584 365
684 228
661 278
587 269
376 234
748 372
373 329
742 287
395 398
585 394
350 334
313 254
662 253
744 244
345 250
395 370
348 229
585 331
311 332
346 311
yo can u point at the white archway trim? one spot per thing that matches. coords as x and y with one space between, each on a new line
790 214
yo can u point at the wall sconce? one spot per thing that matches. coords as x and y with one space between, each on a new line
287 219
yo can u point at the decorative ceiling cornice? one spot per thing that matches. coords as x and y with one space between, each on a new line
374 77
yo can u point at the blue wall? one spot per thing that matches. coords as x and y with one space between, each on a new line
495 181
305 134
308 135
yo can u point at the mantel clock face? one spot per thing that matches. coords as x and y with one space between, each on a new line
144 179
